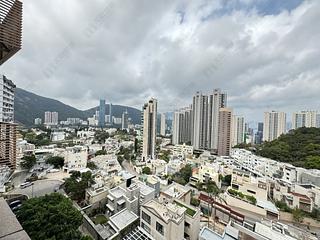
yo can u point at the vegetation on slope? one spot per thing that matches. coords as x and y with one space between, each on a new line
300 147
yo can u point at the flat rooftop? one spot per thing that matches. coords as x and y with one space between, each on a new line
117 192
10 228
176 190
123 219
166 210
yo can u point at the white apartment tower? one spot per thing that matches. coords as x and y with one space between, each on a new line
237 130
8 130
182 126
274 125
200 120
149 122
217 99
162 124
125 120
304 119
51 118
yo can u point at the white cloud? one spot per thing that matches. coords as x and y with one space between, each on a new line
169 50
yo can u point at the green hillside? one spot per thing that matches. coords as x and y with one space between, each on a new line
300 147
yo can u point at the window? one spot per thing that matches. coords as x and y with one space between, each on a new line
146 217
145 227
159 228
250 191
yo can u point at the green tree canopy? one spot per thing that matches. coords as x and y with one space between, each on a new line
146 170
50 217
77 184
56 161
28 161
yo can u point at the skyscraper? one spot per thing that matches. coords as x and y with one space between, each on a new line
182 126
125 120
102 113
304 119
274 125
10 28
8 131
259 134
162 124
51 118
200 121
237 130
224 132
217 100
149 122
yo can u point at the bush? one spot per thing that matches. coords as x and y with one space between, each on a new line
56 161
146 170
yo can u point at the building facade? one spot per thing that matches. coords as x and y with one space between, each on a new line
8 130
274 125
102 113
224 133
237 130
125 120
163 124
304 119
200 120
149 131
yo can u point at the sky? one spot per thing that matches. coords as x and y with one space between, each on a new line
264 53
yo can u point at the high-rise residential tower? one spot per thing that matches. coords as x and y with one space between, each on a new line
149 122
102 113
237 130
304 119
51 118
216 100
163 124
274 125
200 120
10 28
125 120
182 126
8 130
224 133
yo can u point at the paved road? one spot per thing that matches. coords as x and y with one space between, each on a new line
40 188
127 166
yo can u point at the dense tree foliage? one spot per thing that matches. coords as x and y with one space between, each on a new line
183 175
38 140
56 161
300 147
101 136
146 170
100 152
28 161
92 165
76 185
50 217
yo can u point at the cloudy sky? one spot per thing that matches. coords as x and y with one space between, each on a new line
264 53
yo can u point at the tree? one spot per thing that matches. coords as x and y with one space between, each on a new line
297 215
77 184
101 152
146 170
56 161
28 161
195 201
50 217
92 165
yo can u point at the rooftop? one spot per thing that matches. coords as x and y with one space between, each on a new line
123 219
167 212
176 190
117 192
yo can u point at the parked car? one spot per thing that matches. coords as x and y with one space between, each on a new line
26 184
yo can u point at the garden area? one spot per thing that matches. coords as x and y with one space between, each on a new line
100 219
242 196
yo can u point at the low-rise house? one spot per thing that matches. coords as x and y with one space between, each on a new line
176 191
107 163
75 158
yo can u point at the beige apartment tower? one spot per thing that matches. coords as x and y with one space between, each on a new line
274 125
149 131
224 133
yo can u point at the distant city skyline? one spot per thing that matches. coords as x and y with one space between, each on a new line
177 49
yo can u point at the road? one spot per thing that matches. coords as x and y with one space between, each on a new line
128 167
40 188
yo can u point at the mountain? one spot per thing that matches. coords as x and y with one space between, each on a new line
29 106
